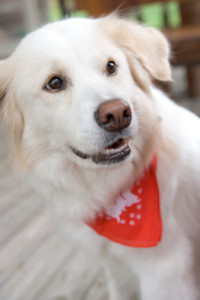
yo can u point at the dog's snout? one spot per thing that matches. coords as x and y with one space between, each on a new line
114 115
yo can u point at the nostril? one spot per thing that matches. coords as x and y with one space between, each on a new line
127 113
104 117
109 118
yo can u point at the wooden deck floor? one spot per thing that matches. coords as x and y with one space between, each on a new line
35 262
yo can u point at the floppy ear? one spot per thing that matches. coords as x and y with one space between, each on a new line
148 45
9 108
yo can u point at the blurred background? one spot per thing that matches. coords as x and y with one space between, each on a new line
180 21
35 262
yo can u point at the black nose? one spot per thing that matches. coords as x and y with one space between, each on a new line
114 115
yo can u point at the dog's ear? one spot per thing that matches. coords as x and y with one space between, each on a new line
9 108
148 45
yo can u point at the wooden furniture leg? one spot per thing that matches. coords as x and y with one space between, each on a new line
193 79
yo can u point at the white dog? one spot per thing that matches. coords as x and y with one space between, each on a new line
119 160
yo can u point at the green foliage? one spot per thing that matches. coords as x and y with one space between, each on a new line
174 17
153 14
80 13
54 11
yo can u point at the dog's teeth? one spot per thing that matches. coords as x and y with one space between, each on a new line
103 151
111 151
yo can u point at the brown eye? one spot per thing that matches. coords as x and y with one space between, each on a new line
111 67
54 84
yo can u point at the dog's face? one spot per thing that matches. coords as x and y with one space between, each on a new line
80 89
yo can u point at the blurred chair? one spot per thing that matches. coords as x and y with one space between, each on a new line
185 40
18 17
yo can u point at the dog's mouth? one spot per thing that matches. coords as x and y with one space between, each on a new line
114 153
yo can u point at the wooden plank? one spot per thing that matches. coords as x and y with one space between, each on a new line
193 78
183 34
186 53
18 216
73 280
98 289
32 276
190 12
24 243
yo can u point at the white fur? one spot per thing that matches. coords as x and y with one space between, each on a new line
78 50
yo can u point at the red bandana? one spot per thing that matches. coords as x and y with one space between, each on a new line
135 219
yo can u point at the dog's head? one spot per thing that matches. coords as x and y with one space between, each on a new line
80 90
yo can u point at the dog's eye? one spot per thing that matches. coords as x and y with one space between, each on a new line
111 67
54 84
